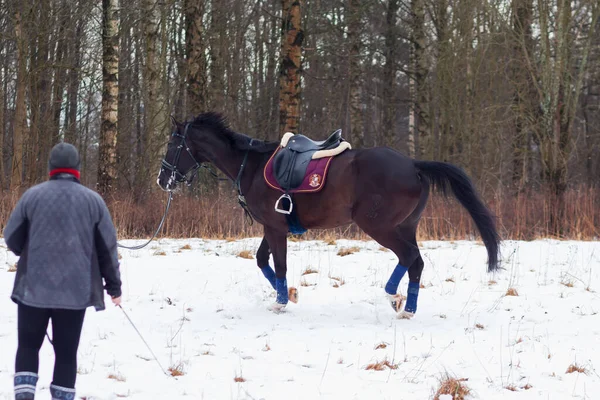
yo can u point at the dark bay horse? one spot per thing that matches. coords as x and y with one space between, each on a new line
379 189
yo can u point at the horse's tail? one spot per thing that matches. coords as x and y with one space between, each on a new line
443 175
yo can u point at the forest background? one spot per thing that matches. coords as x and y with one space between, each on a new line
509 90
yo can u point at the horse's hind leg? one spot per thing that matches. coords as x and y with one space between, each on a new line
402 241
414 284
406 248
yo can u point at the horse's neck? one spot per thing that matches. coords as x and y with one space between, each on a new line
226 159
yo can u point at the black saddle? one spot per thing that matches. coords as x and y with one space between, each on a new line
301 143
290 162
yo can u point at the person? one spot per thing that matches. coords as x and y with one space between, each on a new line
67 246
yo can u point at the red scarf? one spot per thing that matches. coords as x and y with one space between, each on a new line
71 171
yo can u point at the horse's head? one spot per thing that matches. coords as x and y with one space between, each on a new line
181 162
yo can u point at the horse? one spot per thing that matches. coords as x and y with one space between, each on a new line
379 189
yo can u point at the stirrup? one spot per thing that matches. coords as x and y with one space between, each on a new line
282 210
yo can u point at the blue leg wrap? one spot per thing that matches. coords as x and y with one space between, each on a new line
269 274
282 290
392 286
411 299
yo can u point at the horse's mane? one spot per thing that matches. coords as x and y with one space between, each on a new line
218 123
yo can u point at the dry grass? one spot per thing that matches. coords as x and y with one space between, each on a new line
160 253
217 216
207 353
239 379
337 282
267 347
512 388
185 247
245 254
454 387
309 270
451 279
304 283
480 327
527 386
12 268
385 249
512 292
117 377
567 283
347 251
176 370
381 345
492 282
576 368
381 365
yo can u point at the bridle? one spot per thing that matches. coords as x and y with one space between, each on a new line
179 177
176 175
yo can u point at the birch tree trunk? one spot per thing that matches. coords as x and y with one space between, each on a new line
155 111
107 158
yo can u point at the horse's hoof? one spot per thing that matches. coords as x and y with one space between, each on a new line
293 295
405 315
396 301
276 307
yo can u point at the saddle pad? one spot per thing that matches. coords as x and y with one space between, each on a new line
314 180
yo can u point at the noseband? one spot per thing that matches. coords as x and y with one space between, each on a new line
176 175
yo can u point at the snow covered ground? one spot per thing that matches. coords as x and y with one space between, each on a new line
203 310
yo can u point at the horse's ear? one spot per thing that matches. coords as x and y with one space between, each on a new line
174 121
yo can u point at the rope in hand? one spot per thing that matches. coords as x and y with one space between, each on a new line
138 332
144 340
155 233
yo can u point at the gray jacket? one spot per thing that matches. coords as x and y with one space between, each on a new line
67 245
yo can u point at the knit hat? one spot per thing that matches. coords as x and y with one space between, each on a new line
64 158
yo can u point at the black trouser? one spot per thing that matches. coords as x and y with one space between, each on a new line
66 331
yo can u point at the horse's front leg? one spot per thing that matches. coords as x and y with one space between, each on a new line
277 242
262 260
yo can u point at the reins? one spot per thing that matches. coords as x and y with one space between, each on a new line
162 221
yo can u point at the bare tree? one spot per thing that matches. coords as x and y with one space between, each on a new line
389 73
524 109
292 36
354 16
420 71
20 124
196 61
108 131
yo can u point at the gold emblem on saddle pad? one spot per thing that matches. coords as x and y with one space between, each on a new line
315 180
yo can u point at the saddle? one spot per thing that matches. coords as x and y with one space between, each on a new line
292 160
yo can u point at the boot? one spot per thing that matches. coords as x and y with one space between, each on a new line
25 383
61 393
